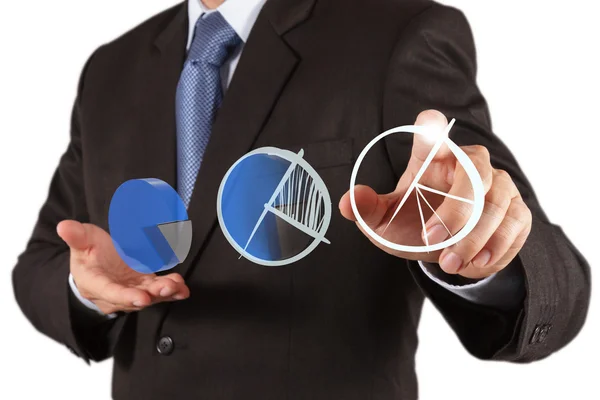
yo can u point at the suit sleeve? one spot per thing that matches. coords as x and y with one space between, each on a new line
433 66
40 278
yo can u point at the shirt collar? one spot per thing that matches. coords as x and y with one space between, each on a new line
240 14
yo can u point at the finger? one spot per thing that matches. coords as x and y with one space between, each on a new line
183 292
480 157
497 202
126 296
74 233
101 287
109 308
165 287
428 160
371 206
505 243
456 209
174 276
423 144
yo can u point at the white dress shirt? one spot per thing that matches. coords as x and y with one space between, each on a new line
502 290
240 15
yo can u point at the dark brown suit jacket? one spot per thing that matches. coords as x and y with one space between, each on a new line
327 76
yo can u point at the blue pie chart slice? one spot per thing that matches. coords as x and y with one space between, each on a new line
149 225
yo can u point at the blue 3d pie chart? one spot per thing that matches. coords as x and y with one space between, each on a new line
149 225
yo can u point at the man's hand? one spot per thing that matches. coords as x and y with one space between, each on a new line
103 278
489 247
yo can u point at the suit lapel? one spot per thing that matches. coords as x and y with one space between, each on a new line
159 101
265 67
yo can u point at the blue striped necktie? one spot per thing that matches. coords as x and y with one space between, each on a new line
199 94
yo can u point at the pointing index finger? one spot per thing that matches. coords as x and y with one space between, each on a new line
422 144
419 174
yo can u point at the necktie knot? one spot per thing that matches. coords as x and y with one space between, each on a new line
214 40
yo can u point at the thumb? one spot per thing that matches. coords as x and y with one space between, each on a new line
371 206
74 233
423 144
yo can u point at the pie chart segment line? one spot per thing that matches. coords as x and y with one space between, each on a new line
445 194
431 208
422 220
287 174
418 176
428 160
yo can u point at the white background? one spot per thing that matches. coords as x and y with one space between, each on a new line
538 66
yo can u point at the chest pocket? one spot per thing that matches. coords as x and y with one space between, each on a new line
326 154
333 161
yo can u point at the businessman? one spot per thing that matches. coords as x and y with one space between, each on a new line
183 96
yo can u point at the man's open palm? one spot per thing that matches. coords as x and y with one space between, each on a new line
102 277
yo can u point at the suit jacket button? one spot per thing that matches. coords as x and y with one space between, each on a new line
165 345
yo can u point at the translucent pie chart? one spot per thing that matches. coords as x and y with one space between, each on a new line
273 207
419 190
149 225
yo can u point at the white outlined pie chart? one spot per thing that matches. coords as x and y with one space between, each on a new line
273 207
416 187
